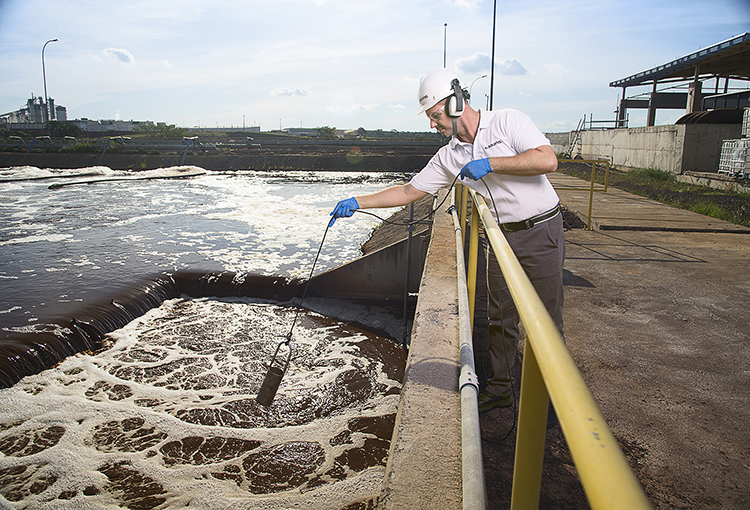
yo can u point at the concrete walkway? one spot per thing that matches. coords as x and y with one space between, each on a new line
620 210
656 317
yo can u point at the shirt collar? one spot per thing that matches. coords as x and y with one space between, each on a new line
484 118
484 122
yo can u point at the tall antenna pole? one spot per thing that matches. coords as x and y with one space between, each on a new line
445 44
492 69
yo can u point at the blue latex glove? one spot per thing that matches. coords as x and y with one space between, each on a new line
476 169
344 208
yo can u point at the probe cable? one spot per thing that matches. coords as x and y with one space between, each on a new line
505 353
414 222
275 373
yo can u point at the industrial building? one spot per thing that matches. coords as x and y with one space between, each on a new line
712 136
35 115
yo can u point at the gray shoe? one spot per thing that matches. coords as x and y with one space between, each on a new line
487 401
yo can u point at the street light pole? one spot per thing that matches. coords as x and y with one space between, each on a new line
44 75
472 84
492 63
445 45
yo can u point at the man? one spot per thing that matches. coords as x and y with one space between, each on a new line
504 157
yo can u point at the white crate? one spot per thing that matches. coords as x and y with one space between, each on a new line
746 122
734 158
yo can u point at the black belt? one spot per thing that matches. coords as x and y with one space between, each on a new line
534 220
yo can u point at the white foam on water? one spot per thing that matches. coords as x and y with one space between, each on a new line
19 173
51 238
260 222
287 227
28 173
187 359
126 405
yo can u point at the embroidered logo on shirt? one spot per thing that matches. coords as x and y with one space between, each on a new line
493 144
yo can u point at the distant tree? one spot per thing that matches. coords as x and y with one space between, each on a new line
150 130
326 133
60 129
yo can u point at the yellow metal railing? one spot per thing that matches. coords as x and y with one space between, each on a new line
591 188
549 371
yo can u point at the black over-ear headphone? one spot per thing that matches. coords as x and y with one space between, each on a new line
454 107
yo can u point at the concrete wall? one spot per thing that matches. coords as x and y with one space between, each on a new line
677 148
648 147
560 141
259 161
424 464
378 275
703 145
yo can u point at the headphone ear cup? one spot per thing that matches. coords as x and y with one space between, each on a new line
450 107
454 107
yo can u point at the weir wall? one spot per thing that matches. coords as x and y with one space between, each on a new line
308 158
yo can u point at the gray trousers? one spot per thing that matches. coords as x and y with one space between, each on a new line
541 252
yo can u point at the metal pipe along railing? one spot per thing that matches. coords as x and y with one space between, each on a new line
607 479
474 496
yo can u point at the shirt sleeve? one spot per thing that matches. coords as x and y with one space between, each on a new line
523 133
434 175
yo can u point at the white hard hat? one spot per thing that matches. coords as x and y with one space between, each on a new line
434 87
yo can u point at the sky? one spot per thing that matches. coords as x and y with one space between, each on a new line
343 63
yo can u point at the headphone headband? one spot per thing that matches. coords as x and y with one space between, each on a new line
456 100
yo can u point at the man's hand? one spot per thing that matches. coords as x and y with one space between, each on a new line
476 169
344 208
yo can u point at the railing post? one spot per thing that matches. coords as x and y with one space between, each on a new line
606 176
28 150
591 194
106 146
182 161
464 211
473 260
532 429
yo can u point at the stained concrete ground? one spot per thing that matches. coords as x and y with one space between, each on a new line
656 317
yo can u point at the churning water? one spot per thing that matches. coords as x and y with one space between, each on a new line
164 415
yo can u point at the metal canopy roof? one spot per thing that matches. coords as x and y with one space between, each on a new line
728 59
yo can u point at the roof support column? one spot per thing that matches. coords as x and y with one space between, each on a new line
695 95
622 117
652 107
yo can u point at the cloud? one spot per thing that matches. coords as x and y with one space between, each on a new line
283 91
349 109
477 63
120 54
556 69
556 126
482 62
511 67
467 3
